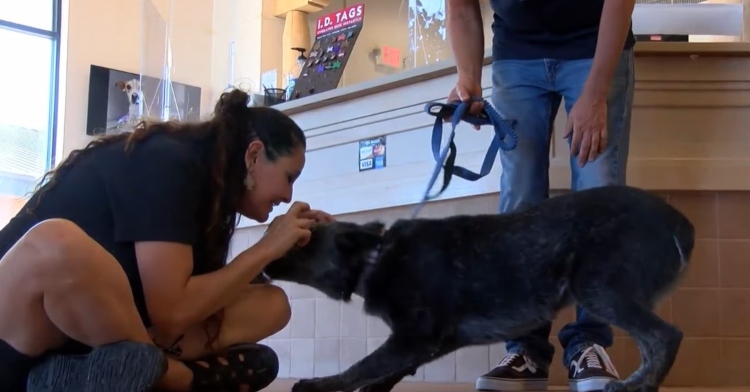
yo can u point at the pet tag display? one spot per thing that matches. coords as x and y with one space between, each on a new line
329 53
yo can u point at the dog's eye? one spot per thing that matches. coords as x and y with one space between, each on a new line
127 87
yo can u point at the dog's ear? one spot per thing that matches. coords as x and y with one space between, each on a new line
361 237
120 85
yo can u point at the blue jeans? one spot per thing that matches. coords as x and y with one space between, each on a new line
530 92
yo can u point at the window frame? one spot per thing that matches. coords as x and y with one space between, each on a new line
54 36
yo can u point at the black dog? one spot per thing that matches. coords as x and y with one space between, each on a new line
442 284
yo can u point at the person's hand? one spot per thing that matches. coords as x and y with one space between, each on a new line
587 123
317 216
465 91
288 230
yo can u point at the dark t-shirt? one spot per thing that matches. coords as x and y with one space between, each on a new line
155 192
554 29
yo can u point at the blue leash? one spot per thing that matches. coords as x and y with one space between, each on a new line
457 111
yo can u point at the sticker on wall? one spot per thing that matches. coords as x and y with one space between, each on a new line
372 153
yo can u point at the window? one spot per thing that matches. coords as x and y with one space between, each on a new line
30 40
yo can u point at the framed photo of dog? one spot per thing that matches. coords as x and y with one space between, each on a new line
119 99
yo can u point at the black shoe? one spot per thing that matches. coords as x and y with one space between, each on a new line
515 372
590 370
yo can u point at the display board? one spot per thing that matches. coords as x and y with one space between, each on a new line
335 36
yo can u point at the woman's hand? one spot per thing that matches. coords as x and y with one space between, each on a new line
288 230
317 215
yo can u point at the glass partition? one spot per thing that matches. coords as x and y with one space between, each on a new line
189 56
400 35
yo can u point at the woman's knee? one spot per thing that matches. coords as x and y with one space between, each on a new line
280 310
56 247
55 238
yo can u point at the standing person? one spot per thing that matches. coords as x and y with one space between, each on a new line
545 51
120 258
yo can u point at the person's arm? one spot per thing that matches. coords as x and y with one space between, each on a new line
466 34
155 197
175 299
613 31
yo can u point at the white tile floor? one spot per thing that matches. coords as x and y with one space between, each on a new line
286 386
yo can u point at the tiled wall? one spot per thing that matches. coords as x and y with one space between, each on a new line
712 306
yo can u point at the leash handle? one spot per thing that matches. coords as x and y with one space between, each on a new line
458 112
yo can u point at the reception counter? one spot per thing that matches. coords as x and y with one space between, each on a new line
689 132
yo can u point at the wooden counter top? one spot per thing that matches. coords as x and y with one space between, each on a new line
448 67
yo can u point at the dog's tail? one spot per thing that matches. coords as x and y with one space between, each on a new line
684 238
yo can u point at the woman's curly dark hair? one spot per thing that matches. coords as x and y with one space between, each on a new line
231 128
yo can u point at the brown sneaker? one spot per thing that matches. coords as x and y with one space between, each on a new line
515 372
590 370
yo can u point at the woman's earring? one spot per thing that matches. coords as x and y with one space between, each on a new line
249 182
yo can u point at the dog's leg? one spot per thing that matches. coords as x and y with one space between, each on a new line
658 341
392 359
388 383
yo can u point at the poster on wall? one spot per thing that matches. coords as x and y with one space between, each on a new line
335 36
372 153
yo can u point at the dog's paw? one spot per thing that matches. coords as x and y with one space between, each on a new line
308 385
616 386
377 387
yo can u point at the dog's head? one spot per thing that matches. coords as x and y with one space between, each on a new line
334 259
131 88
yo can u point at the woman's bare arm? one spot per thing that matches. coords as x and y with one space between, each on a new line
177 300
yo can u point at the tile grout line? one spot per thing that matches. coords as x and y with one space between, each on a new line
718 267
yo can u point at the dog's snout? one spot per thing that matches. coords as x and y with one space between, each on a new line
134 99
